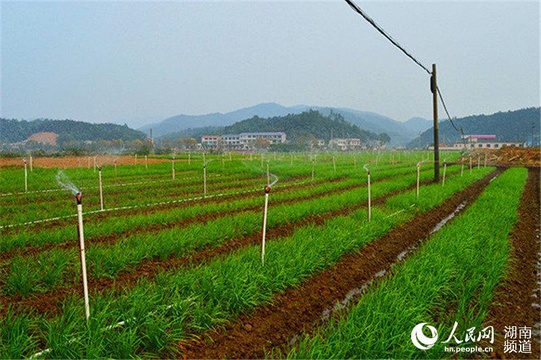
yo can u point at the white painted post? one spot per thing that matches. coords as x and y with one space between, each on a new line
82 253
204 180
267 190
25 177
369 193
101 188
444 169
418 177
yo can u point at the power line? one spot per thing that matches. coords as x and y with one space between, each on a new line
357 9
380 29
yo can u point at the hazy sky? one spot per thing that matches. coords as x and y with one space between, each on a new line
118 61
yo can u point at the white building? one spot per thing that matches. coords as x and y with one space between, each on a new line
472 142
244 140
345 144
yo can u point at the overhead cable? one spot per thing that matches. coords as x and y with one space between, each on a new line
380 29
357 9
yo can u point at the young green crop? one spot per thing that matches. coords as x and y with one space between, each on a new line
183 302
108 260
451 278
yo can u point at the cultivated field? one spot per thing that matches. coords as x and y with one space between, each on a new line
359 249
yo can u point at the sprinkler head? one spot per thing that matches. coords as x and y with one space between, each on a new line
78 197
267 189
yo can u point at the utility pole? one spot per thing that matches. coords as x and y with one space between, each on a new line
434 89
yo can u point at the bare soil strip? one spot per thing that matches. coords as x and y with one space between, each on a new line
516 296
299 310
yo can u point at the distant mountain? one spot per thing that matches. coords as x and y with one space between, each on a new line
511 126
13 131
417 125
400 132
182 122
307 126
177 126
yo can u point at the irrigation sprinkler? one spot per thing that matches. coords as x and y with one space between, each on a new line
32 167
189 159
173 167
313 167
462 169
470 164
25 176
94 163
146 162
101 188
369 195
267 191
135 159
80 233
115 168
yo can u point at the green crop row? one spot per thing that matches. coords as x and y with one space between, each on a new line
113 225
181 303
450 279
127 251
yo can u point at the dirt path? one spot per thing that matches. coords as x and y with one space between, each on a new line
520 294
300 310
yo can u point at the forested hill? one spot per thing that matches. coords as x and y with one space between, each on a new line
12 131
303 127
510 126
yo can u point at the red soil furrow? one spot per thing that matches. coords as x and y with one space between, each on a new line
299 310
51 302
517 294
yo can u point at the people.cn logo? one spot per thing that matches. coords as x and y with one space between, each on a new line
420 340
